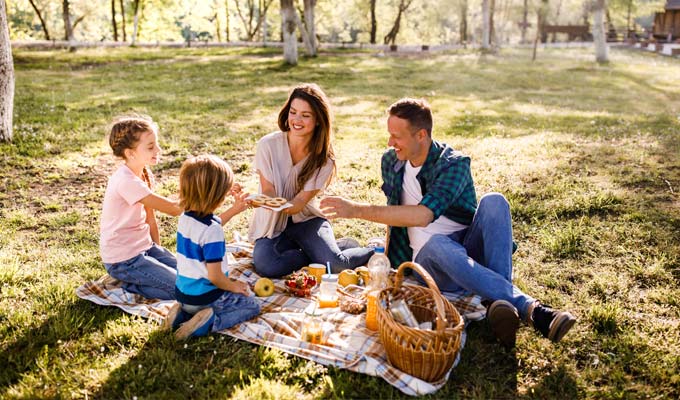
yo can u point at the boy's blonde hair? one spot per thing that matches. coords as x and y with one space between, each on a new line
204 181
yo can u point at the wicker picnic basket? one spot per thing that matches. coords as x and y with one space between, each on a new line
424 353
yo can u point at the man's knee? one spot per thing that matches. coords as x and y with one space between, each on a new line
494 201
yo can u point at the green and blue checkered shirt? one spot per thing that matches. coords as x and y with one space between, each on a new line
447 187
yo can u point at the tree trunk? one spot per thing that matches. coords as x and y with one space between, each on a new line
311 27
525 21
391 36
557 20
493 40
122 19
374 24
540 20
113 20
486 27
6 77
288 25
44 25
463 22
135 24
226 14
66 13
599 37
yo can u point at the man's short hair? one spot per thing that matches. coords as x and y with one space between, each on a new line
416 111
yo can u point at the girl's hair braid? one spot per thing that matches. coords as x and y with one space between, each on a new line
125 133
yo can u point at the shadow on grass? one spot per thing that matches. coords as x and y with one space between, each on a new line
68 322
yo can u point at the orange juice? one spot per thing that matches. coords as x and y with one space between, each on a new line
328 302
372 310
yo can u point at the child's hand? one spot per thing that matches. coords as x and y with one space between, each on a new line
239 287
240 202
235 189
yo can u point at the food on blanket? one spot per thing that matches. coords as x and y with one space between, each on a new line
275 202
363 274
352 299
258 201
264 287
300 283
348 277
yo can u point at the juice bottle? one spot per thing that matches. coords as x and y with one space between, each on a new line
378 269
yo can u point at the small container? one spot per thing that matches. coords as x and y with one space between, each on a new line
328 296
312 327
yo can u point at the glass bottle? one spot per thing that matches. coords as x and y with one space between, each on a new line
328 296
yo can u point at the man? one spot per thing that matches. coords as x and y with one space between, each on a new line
435 221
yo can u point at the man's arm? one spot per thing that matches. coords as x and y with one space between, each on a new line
338 207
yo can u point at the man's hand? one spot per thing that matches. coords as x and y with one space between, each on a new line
337 207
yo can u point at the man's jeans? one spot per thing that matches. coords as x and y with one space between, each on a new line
479 258
151 273
303 243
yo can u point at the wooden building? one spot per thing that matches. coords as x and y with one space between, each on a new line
667 24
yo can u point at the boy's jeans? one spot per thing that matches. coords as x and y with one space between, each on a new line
303 243
479 258
151 273
230 309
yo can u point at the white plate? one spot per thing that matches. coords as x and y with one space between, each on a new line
279 208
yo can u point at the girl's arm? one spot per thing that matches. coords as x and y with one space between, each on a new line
153 225
162 204
220 280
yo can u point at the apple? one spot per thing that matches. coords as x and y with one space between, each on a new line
264 287
348 277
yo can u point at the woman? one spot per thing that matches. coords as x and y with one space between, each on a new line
297 163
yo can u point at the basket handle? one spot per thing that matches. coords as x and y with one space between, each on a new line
438 299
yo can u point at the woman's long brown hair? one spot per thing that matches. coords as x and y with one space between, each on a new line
320 147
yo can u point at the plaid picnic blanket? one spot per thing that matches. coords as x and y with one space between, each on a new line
349 344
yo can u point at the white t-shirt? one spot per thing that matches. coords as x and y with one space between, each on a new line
273 161
411 194
123 231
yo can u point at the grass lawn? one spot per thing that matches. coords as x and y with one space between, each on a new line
589 157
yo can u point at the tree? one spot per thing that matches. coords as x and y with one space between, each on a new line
254 17
486 25
309 30
43 25
226 9
391 36
540 20
113 20
288 25
599 36
122 19
463 26
374 24
135 24
525 21
6 77
68 26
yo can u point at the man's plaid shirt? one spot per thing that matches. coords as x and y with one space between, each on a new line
447 187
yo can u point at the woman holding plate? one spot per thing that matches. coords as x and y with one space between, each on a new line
296 163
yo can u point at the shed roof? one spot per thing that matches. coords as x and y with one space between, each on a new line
672 4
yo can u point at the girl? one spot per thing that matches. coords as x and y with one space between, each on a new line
129 237
208 298
297 163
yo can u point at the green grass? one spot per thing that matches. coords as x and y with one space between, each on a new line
588 155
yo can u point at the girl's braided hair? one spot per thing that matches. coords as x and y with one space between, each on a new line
125 133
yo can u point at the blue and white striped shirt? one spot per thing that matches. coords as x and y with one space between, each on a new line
200 240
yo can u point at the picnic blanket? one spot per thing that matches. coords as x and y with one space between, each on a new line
350 345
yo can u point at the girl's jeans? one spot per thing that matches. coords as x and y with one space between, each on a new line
303 243
151 273
230 309
479 258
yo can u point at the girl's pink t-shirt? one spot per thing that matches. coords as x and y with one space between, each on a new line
124 232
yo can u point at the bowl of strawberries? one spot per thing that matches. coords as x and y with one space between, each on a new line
300 284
